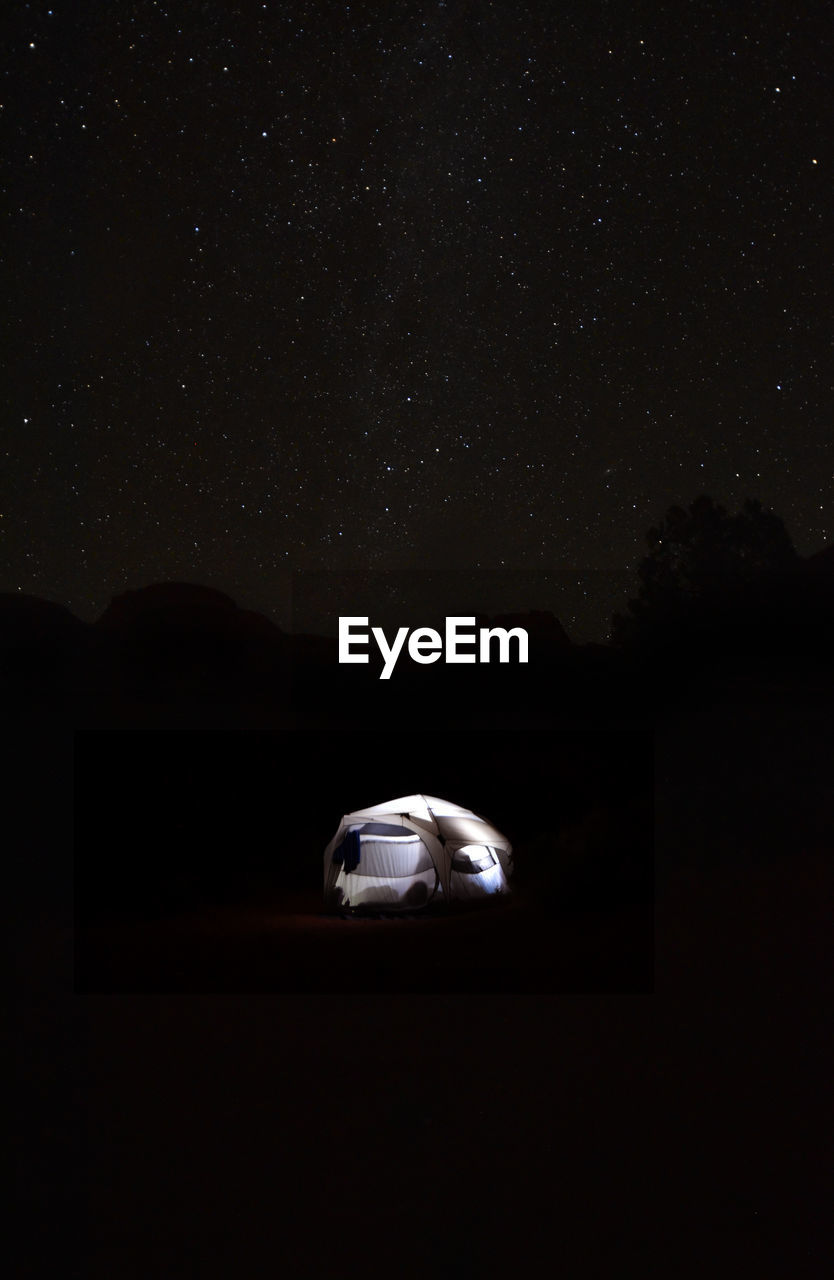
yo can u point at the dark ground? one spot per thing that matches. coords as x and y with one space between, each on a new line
199 862
567 1102
291 946
679 1133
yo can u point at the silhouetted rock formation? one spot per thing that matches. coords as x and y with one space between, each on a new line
183 641
42 652
167 600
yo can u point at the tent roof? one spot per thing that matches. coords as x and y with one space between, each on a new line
415 806
440 817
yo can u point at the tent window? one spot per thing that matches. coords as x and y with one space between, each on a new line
471 864
391 857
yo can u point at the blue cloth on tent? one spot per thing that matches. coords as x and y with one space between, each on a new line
348 851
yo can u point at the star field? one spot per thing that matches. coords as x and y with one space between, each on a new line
304 287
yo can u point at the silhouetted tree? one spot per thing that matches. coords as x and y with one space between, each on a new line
703 566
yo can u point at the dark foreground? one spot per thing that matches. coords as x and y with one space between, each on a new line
176 1119
680 1133
290 946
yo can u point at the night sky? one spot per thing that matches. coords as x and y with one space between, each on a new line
482 286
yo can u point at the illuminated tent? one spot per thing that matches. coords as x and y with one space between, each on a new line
413 851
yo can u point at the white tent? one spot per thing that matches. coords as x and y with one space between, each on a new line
404 854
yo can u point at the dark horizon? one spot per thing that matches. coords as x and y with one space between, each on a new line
311 603
315 608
